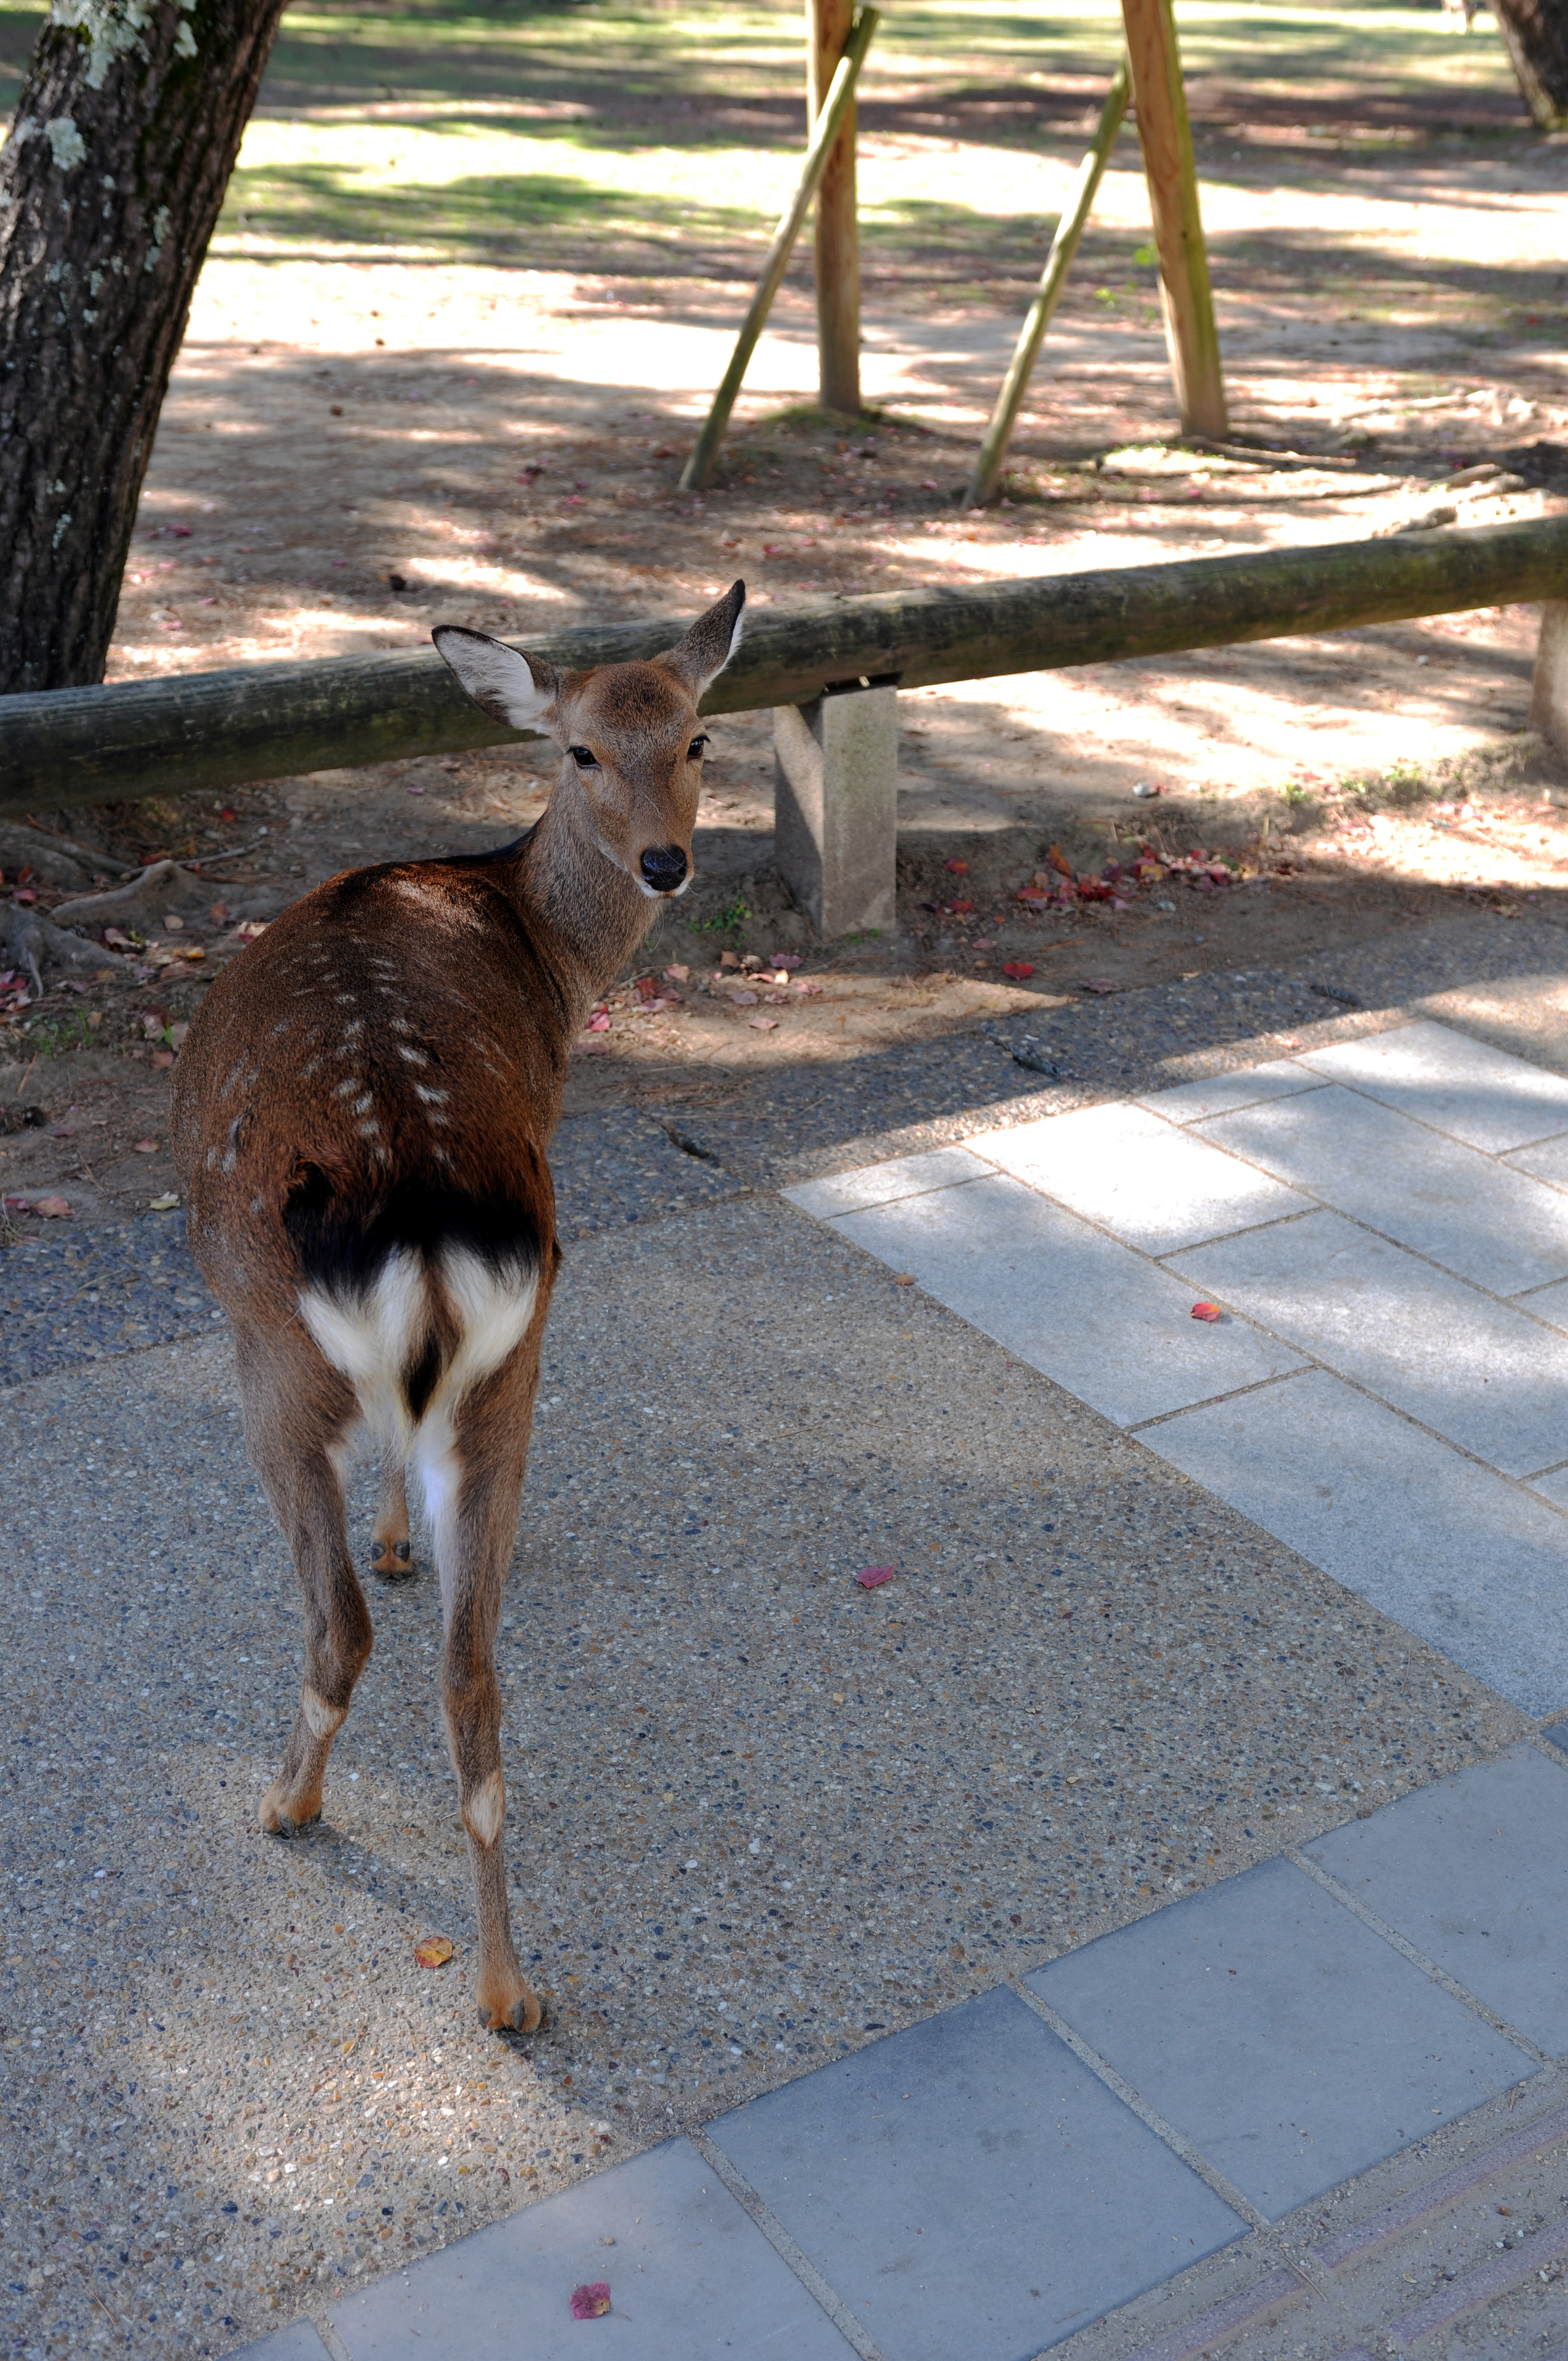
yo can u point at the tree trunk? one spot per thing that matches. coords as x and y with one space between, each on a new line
1536 32
110 184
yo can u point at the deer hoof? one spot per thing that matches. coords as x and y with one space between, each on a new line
279 1821
524 2015
392 1560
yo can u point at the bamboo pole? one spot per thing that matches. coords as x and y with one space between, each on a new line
1053 279
828 31
213 730
825 131
1186 297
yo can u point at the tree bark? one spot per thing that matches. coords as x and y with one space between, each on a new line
1536 33
111 181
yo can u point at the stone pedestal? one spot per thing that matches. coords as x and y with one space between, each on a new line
835 808
1549 698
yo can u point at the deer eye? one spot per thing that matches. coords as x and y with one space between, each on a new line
584 757
693 751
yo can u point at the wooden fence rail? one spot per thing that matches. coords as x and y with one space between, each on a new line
218 730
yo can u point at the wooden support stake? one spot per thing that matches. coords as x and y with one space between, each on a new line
1186 296
827 30
825 132
1058 262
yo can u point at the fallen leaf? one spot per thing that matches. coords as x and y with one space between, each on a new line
872 1578
53 1209
116 938
677 974
1098 984
599 1022
24 893
903 1279
728 959
744 999
249 929
1018 969
174 922
958 868
591 2302
1057 859
219 914
434 1951
1030 895
787 959
763 1023
167 1202
809 987
146 1147
1207 1312
163 1056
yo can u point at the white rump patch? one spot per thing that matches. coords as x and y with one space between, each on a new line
375 1338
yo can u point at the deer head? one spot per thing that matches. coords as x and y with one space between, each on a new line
630 739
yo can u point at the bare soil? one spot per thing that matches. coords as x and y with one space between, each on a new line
366 437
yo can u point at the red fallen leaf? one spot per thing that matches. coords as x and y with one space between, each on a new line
1032 896
1057 859
227 813
961 909
15 1205
591 2302
1019 970
958 868
872 1578
1207 1312
24 893
678 974
53 1209
599 1022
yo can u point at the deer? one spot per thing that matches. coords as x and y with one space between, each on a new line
360 1121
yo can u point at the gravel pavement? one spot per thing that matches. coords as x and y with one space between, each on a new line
759 1814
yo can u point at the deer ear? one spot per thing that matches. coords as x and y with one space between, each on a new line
708 647
513 688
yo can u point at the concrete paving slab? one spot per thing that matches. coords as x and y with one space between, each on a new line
1475 1872
1480 1372
1124 1169
1101 1320
300 2341
1216 1094
1460 1086
1289 2042
1457 1555
1548 1304
879 1184
1553 1487
688 2273
1547 1161
968 2186
1498 1228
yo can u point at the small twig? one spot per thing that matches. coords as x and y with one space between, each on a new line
230 853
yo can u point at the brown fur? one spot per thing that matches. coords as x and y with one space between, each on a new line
360 1121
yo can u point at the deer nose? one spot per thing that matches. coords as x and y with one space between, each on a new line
664 867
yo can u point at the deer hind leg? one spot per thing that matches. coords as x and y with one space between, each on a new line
473 1466
390 1556
296 1412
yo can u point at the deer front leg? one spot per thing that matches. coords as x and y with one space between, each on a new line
390 1558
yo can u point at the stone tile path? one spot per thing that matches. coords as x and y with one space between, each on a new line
1138 2148
1386 1389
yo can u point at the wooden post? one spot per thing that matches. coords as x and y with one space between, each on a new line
1058 262
1186 296
837 225
840 101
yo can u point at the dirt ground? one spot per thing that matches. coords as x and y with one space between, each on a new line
381 421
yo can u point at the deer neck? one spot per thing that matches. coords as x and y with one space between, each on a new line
585 911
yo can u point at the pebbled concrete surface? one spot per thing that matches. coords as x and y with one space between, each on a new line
1088 1687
